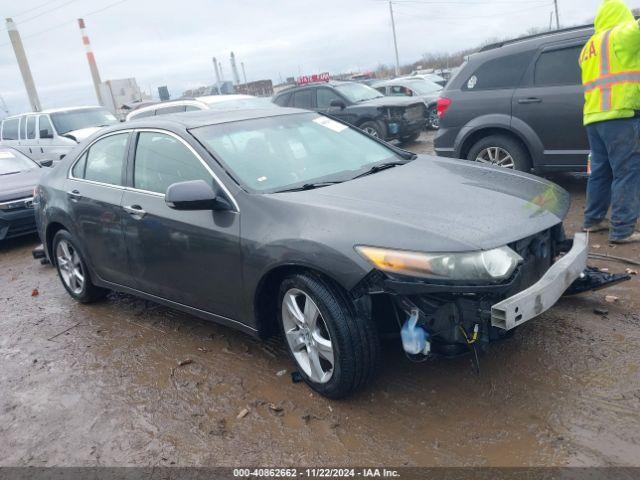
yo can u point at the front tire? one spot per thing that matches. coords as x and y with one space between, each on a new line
72 269
375 129
411 138
501 151
433 120
336 351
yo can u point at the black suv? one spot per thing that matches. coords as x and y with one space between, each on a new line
388 118
518 104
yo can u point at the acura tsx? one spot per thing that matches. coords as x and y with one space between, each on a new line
286 220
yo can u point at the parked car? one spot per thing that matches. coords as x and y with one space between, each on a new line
51 134
432 77
18 177
288 220
210 102
518 104
389 118
417 88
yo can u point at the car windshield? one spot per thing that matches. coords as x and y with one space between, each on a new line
356 92
424 87
284 152
241 103
14 162
71 120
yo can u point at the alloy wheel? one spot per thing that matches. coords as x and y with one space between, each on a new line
70 266
371 131
496 156
307 335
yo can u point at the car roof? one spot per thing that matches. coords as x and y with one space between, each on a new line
202 118
211 99
55 110
204 100
539 38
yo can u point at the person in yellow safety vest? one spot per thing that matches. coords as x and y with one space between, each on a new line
610 63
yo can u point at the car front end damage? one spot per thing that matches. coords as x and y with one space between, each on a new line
454 317
403 122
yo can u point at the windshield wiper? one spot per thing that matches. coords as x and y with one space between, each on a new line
378 168
309 186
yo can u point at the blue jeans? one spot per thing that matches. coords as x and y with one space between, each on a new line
615 175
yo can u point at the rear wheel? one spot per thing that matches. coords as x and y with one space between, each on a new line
335 351
501 151
72 269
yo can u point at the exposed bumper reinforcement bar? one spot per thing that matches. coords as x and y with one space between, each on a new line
541 296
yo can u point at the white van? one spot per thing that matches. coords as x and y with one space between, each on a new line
51 134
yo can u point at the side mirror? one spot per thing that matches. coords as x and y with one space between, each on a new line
46 162
195 195
45 134
338 104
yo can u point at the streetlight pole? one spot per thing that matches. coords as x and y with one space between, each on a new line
395 40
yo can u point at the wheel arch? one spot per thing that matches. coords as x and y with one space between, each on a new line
265 298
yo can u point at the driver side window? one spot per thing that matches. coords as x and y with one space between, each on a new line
162 160
324 98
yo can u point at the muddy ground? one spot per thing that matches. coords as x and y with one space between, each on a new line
101 385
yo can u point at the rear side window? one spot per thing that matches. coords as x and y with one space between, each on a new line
558 67
10 129
162 160
502 72
31 127
303 99
105 159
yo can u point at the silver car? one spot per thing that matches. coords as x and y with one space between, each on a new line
51 134
418 88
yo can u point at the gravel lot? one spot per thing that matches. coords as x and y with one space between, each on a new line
101 385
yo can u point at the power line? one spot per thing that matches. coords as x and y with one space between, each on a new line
62 24
34 8
44 12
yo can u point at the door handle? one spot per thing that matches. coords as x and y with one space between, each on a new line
526 101
74 195
41 150
135 211
30 150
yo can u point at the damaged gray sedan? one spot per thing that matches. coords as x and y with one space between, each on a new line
285 220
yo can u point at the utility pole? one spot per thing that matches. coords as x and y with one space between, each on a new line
215 68
557 17
234 70
395 40
550 20
93 67
23 64
244 73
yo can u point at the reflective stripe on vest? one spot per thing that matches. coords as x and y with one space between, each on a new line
607 80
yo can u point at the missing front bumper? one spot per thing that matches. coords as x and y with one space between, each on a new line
541 296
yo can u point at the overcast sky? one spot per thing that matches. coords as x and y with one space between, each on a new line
171 42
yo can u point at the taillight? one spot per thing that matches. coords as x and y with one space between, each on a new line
443 106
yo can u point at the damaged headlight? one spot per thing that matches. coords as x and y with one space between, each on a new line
497 264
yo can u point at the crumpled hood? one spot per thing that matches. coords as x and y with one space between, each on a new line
434 204
19 185
81 134
612 13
